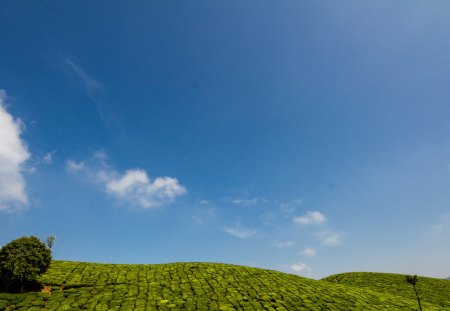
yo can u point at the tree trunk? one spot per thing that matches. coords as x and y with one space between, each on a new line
418 299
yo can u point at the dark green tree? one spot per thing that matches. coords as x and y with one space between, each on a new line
22 260
412 279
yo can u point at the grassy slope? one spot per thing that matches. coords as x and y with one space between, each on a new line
432 290
194 286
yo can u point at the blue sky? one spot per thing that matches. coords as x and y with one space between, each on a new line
311 137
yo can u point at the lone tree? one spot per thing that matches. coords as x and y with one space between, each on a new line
412 279
22 260
50 241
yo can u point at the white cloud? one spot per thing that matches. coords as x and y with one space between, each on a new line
134 186
241 233
13 154
300 268
329 238
309 252
311 217
285 244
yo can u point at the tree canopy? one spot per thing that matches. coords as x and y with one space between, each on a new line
22 260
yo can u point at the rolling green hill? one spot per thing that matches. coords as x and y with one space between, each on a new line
196 286
436 291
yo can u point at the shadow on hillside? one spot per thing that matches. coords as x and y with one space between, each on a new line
16 287
70 286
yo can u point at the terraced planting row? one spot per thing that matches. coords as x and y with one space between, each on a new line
193 286
432 290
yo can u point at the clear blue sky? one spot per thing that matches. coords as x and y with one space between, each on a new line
311 137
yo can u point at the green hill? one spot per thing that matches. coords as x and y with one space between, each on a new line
195 286
436 291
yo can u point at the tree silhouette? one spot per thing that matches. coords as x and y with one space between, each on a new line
50 241
412 279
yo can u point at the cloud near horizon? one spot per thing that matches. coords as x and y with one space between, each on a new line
13 154
300 268
133 186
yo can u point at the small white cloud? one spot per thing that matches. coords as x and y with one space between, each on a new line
134 186
241 233
300 268
74 166
203 202
285 244
311 217
308 252
13 154
329 238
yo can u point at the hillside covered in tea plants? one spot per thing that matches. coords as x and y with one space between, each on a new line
209 286
431 290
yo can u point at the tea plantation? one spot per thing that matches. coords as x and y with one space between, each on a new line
208 286
432 290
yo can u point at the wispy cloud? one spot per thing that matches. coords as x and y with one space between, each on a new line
47 158
94 90
91 85
443 223
308 252
329 238
285 244
13 154
204 215
246 201
291 206
74 166
311 217
440 231
133 186
240 232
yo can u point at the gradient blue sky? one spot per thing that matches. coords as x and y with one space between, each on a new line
311 137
